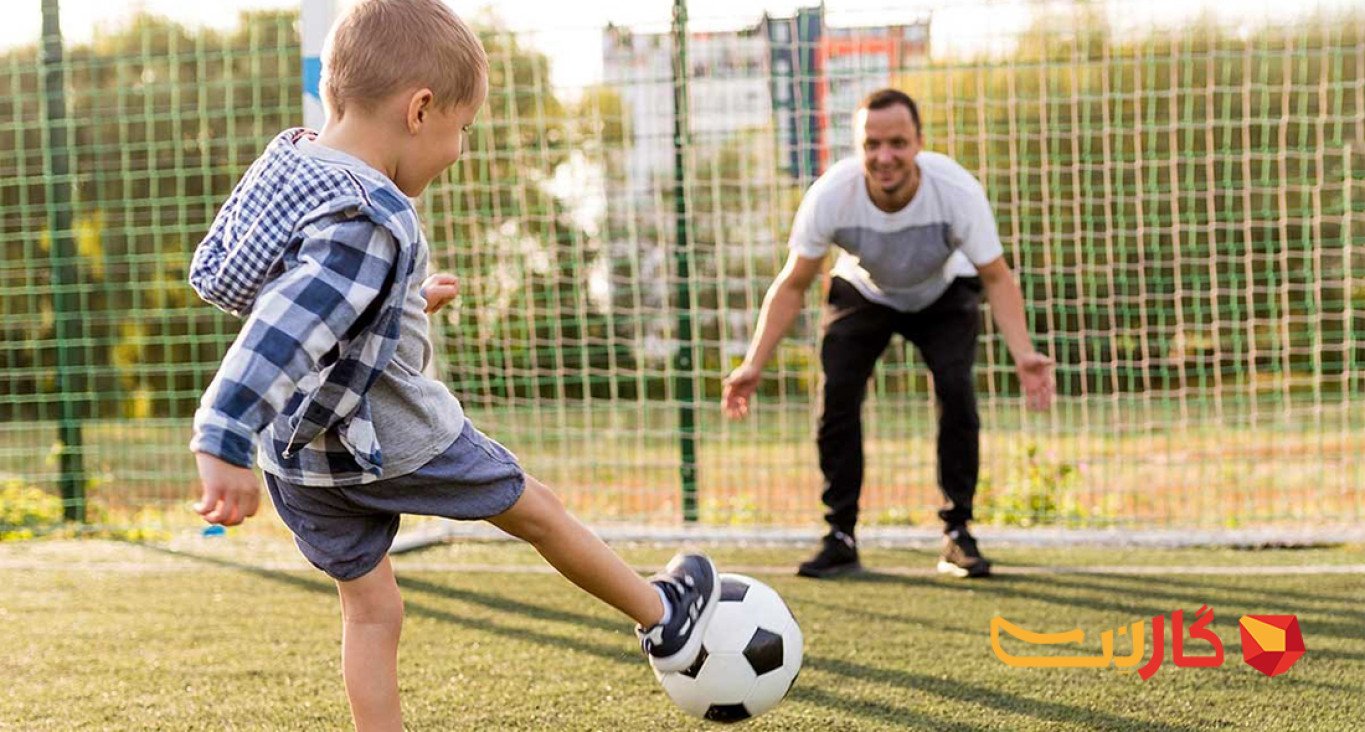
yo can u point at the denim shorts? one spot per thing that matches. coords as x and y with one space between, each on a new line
345 531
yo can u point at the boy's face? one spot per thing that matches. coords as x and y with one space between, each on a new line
438 139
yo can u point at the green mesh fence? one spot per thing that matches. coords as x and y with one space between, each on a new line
1182 206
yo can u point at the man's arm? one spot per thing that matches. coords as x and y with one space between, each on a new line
297 323
1007 307
784 301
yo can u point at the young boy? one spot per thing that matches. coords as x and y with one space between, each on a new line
321 252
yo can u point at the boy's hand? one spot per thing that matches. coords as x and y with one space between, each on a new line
439 289
231 493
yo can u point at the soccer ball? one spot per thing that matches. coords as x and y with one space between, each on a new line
750 655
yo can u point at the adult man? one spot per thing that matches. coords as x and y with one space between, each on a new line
919 245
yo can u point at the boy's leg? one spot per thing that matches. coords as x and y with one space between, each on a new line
540 519
672 609
372 618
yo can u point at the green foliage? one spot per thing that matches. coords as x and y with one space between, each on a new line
740 509
28 512
1159 194
162 119
1144 186
1179 207
1039 490
599 119
25 511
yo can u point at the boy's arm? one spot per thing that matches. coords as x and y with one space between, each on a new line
293 329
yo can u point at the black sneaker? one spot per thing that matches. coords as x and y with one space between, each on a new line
838 555
960 556
690 585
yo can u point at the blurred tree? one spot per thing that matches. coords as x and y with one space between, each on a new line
1173 200
163 121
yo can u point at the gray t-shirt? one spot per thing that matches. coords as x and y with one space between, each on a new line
902 259
415 417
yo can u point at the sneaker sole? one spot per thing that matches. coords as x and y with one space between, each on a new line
681 660
951 569
840 570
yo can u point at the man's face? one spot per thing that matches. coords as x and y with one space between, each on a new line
889 141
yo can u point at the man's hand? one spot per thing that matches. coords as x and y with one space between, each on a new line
739 386
439 289
1035 375
231 493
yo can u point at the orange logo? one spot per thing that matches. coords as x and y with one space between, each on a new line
1136 632
1271 643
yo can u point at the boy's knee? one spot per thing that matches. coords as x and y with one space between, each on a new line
534 516
373 599
374 609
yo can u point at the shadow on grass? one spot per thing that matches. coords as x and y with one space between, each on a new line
958 691
839 706
1110 596
853 612
414 609
1157 589
877 711
876 577
1336 604
515 607
1041 588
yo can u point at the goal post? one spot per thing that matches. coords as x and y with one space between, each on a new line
315 18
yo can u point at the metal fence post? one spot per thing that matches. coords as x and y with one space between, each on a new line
62 256
685 362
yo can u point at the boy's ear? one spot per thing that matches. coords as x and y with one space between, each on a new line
419 106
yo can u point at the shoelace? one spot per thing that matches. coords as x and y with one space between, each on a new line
673 588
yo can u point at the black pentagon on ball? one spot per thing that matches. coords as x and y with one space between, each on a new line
692 671
764 651
733 590
727 713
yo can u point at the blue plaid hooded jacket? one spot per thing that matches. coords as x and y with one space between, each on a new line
316 259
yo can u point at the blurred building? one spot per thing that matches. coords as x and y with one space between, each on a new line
795 78
852 62
727 91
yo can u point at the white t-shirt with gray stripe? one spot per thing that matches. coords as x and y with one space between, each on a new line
904 259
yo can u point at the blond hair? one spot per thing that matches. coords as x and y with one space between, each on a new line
385 46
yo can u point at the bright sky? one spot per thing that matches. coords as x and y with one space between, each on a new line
569 31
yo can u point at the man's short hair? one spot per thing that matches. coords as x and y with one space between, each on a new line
883 98
380 47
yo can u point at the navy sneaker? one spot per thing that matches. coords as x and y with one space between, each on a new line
689 583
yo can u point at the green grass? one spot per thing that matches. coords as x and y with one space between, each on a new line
236 633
